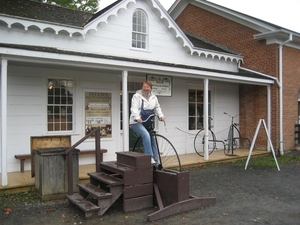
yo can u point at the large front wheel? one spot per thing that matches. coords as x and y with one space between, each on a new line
199 142
233 140
168 155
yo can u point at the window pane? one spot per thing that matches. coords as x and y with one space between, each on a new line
199 122
192 95
144 45
200 109
192 110
199 96
192 123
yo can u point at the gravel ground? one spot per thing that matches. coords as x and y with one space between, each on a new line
252 196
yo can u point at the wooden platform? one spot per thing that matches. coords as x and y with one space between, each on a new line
21 182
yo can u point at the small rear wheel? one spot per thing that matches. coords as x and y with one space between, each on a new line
199 142
228 149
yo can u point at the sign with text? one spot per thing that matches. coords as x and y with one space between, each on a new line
161 85
98 112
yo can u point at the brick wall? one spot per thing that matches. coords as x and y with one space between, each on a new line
291 83
259 57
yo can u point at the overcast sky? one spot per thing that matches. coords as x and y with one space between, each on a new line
282 13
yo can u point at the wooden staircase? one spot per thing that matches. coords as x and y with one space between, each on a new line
129 178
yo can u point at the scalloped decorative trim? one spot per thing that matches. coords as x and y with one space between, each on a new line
172 26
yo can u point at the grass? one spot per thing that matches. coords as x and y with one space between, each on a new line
268 161
9 202
259 162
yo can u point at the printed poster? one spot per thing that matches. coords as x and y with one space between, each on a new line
98 113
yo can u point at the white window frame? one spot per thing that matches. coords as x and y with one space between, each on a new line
211 103
68 106
140 29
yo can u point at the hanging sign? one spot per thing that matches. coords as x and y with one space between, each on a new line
161 85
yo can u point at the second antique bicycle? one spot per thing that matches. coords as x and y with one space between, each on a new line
234 139
167 153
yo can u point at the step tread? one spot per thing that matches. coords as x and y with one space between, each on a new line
95 191
116 167
106 178
82 203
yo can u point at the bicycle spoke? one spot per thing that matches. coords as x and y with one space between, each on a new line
168 154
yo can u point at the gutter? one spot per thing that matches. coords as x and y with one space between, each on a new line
261 74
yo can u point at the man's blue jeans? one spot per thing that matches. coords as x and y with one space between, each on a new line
148 141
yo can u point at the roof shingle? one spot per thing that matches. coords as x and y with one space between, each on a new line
44 12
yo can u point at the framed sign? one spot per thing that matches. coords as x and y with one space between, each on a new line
98 113
161 85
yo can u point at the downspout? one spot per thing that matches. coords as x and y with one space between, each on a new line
281 93
269 94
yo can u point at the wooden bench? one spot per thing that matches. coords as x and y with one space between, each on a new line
22 158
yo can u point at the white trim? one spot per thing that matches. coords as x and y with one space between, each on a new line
4 180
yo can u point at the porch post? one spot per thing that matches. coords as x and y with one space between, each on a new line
125 110
205 101
4 122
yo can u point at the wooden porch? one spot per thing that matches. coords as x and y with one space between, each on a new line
22 181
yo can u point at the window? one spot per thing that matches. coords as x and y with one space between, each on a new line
60 105
139 30
196 108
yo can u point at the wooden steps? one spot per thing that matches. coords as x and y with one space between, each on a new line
130 177
83 204
86 189
101 177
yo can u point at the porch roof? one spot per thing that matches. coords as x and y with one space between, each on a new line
240 73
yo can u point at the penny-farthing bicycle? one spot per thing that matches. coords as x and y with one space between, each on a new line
166 151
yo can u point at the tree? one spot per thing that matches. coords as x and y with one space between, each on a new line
82 5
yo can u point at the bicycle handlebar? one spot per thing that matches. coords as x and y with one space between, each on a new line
152 115
231 116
